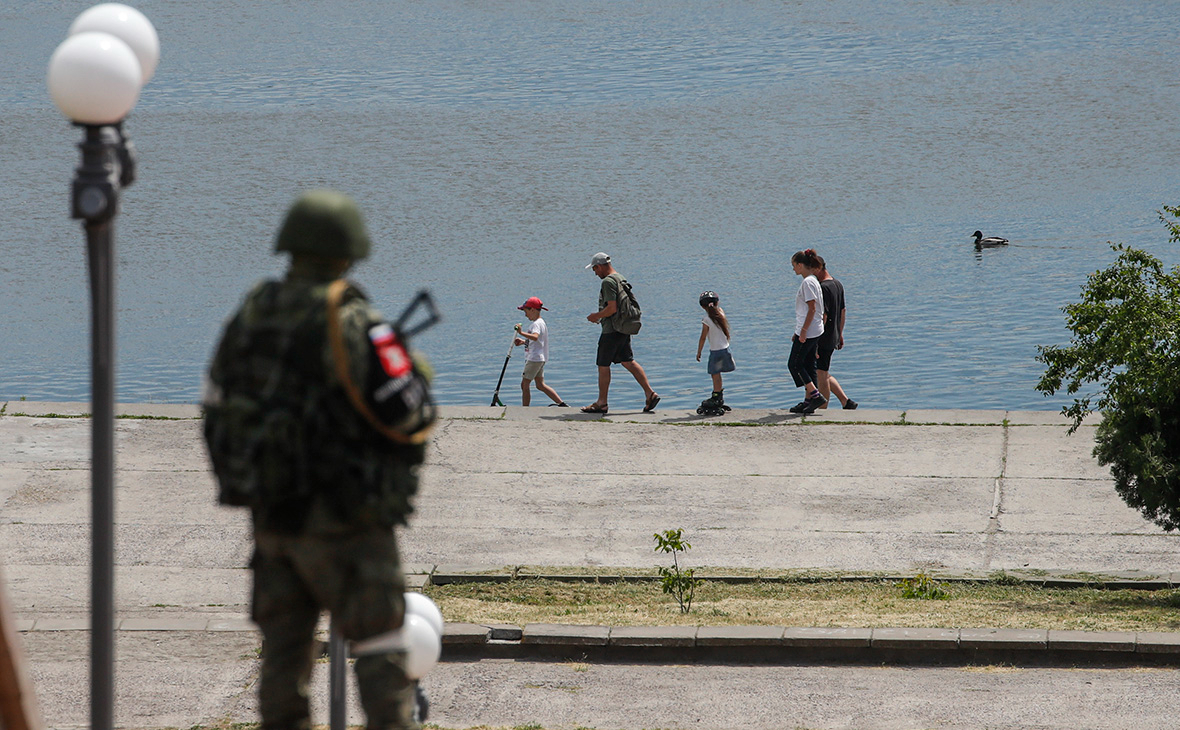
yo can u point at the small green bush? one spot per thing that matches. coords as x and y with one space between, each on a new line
923 587
675 580
1001 578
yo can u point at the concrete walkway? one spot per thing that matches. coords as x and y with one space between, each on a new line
967 492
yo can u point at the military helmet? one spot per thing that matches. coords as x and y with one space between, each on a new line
324 223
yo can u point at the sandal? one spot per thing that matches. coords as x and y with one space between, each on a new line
651 403
594 409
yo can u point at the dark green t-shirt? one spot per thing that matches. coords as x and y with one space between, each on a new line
609 292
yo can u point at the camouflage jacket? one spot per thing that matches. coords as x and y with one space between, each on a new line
282 435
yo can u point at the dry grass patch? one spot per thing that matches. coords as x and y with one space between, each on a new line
848 604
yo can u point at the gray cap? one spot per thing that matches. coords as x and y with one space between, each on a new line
599 259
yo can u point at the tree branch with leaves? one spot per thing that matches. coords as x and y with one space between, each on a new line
1124 359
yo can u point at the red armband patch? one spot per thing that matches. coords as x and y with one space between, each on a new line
390 351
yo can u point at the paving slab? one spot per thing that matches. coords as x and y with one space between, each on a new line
834 414
231 624
1075 505
502 448
565 635
46 443
903 638
1092 640
1052 453
61 624
417 581
1072 552
1004 639
491 413
754 636
982 418
1050 418
465 633
182 411
654 636
1037 418
163 624
827 638
45 409
505 632
1153 642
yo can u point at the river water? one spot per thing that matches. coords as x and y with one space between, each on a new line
495 146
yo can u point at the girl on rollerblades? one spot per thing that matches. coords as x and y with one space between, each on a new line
715 330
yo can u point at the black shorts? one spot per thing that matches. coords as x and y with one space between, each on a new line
613 347
824 358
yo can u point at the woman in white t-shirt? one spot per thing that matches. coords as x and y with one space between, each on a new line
809 325
715 330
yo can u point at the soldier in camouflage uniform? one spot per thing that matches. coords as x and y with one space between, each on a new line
326 484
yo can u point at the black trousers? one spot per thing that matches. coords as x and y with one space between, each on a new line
802 360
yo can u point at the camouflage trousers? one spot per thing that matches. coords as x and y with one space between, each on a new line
357 577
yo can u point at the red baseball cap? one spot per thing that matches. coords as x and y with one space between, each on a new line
533 303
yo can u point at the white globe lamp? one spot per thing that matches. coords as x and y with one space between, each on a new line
420 605
423 646
94 78
128 25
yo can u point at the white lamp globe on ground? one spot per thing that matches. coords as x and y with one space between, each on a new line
94 78
423 646
127 24
420 605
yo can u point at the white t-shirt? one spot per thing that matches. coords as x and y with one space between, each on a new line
717 339
809 291
538 350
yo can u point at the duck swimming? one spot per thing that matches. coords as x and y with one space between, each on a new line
981 242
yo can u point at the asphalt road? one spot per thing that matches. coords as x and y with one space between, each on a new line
609 696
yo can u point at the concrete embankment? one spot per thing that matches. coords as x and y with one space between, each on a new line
964 492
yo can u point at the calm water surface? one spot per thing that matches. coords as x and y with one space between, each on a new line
495 146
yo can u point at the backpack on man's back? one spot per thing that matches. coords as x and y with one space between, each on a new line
626 318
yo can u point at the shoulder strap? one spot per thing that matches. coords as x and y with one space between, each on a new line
340 358
625 288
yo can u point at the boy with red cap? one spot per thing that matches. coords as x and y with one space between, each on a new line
535 339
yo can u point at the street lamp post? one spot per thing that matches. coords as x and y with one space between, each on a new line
94 78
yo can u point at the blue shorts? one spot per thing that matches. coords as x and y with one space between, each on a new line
720 361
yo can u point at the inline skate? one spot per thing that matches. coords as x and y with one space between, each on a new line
714 405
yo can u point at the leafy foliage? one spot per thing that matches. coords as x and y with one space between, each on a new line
676 581
1126 342
922 586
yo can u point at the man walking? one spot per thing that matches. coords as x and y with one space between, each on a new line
614 346
832 339
291 421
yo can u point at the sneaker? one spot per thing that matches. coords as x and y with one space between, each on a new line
812 403
850 405
798 407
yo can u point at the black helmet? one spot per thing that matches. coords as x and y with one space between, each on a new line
709 296
325 223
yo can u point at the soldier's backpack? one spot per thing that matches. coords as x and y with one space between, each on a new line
277 434
626 319
254 421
